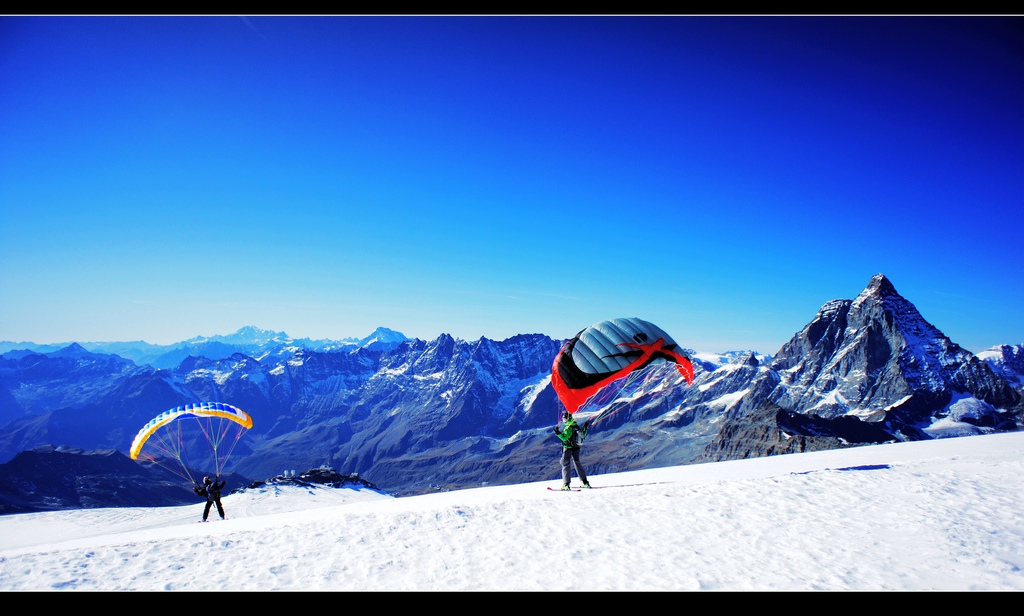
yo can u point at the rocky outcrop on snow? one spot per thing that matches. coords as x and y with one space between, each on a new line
321 477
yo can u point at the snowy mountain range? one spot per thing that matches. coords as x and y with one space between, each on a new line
248 340
416 416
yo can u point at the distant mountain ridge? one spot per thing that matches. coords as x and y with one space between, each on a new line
414 416
249 340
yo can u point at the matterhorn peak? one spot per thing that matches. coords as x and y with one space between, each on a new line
878 360
880 286
880 292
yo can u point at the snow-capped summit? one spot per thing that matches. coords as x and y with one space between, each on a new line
876 359
247 335
382 339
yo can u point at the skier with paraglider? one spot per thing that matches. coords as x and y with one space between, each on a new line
191 437
211 490
572 440
599 362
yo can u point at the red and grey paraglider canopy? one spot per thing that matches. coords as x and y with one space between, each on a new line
608 351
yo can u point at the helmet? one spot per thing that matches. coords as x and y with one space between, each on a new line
206 480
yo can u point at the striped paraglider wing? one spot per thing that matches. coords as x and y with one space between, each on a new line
192 437
608 351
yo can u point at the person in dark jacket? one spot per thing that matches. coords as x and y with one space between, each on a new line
572 438
211 490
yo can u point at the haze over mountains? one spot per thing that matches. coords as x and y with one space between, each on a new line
248 340
415 416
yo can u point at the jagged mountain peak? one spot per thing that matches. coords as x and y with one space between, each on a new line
877 359
748 358
383 338
880 286
445 340
881 305
385 334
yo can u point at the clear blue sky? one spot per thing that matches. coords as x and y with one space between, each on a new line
723 177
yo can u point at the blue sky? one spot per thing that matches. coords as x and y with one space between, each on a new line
723 177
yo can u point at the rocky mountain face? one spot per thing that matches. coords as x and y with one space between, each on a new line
868 370
1007 361
414 416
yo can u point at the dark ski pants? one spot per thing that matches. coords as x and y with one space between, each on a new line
571 457
220 509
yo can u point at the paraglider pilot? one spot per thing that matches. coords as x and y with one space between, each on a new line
211 490
572 438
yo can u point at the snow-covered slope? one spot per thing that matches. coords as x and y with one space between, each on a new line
928 515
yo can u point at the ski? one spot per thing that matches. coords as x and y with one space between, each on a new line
618 485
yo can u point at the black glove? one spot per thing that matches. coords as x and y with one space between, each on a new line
586 425
557 431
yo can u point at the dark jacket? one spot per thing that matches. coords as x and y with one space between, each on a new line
211 490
